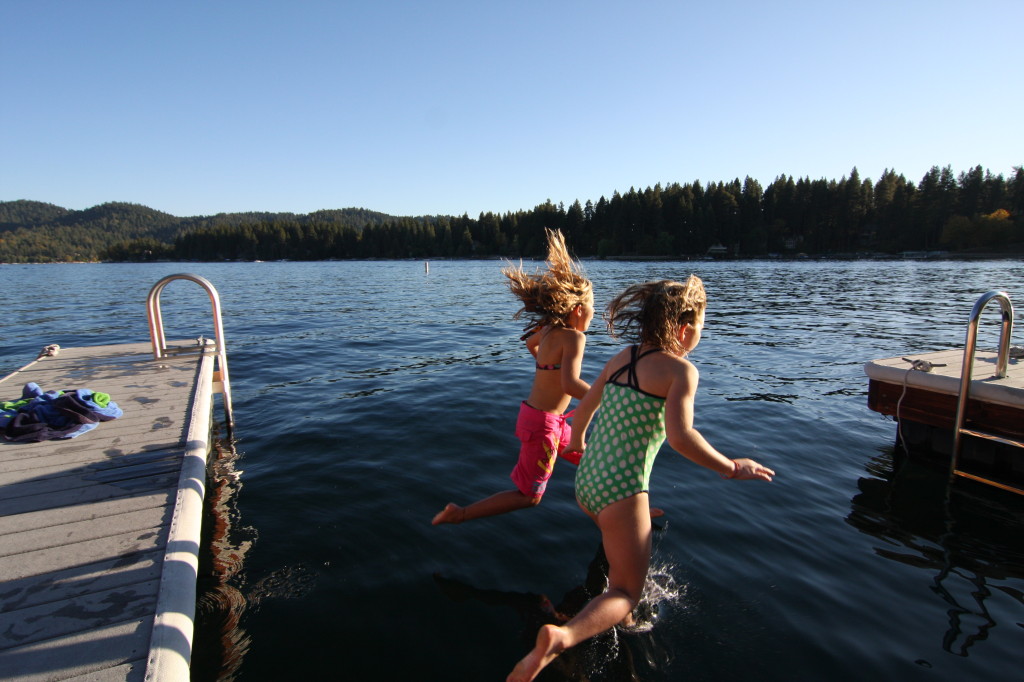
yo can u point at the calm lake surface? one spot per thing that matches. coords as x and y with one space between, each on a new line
369 394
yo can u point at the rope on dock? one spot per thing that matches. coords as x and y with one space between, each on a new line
915 366
48 351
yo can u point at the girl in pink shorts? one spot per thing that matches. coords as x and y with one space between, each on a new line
559 305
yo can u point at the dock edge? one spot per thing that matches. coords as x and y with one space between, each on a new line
170 648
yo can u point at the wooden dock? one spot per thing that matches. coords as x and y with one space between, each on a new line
99 534
930 397
927 402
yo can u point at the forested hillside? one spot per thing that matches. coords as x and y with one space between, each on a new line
973 211
36 232
31 231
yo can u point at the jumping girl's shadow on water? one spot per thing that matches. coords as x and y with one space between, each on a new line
609 656
966 532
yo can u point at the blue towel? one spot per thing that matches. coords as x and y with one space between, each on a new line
51 415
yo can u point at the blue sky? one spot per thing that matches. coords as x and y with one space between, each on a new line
452 107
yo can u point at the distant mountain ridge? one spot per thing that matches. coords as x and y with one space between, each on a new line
36 231
26 213
23 213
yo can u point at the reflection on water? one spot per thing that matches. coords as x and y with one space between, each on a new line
961 537
223 595
220 642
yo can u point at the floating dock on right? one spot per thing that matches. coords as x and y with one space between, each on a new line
962 405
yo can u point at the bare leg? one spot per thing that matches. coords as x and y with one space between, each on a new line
499 503
626 535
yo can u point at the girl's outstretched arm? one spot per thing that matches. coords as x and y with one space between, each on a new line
589 404
572 363
689 442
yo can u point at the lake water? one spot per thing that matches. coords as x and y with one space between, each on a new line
369 394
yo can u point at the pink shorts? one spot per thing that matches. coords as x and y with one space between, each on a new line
544 436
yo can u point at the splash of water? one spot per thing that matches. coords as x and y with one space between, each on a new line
660 590
607 656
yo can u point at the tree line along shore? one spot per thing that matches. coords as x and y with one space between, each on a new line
973 212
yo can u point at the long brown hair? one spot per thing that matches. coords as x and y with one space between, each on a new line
548 297
652 313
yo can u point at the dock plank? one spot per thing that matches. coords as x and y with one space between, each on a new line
44 622
75 532
33 496
72 474
97 556
113 652
80 580
98 510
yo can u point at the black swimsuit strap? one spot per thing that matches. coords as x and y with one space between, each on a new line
617 373
630 367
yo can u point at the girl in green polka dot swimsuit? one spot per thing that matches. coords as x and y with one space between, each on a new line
627 436
645 395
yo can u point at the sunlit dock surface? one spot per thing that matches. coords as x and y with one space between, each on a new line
944 380
99 534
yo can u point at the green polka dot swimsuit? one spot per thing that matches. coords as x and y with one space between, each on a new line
629 431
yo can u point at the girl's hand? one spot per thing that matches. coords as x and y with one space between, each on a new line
573 446
748 469
572 455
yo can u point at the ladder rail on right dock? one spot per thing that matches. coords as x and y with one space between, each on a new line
970 344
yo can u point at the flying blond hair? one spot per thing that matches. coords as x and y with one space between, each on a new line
548 297
652 313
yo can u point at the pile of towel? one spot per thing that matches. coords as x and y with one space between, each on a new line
50 415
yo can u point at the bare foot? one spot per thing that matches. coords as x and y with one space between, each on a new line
656 512
551 641
452 513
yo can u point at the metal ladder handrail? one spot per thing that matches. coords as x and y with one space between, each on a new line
1006 308
160 348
